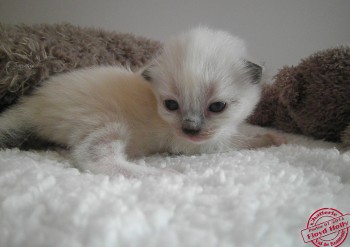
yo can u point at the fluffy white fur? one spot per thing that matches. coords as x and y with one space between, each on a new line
110 115
239 198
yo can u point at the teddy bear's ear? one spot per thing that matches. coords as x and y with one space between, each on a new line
254 71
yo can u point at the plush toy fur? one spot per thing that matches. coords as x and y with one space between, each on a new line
30 54
312 98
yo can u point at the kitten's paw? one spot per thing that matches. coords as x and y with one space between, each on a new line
270 139
267 140
274 139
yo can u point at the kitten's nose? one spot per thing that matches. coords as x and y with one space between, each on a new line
191 126
190 131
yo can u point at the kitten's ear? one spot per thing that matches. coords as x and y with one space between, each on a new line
146 74
254 71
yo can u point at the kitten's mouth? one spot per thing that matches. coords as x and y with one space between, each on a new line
201 137
197 138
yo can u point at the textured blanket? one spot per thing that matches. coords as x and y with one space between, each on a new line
241 198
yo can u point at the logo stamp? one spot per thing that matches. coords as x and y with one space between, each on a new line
326 227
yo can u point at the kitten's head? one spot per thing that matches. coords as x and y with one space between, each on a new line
204 85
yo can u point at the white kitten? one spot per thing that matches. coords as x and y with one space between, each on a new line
190 99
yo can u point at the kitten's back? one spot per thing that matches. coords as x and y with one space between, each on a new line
78 102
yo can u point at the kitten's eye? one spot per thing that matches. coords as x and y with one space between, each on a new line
171 105
217 107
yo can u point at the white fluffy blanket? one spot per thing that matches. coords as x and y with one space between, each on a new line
241 198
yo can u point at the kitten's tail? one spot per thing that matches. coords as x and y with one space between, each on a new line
14 127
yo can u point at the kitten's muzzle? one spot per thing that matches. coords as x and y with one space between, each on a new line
191 132
191 127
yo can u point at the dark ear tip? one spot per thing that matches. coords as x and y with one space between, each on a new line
254 70
146 75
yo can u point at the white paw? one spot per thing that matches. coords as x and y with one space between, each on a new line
267 140
274 139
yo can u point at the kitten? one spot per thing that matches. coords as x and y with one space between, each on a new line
190 99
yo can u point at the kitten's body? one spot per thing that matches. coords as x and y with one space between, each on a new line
107 115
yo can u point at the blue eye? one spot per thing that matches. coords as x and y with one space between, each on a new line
217 107
171 105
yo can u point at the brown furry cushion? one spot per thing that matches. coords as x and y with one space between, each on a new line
30 54
312 98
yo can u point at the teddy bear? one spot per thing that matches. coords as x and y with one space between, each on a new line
311 98
29 54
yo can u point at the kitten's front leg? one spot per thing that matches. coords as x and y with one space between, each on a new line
266 140
103 152
259 141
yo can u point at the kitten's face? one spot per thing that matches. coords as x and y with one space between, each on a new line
204 86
